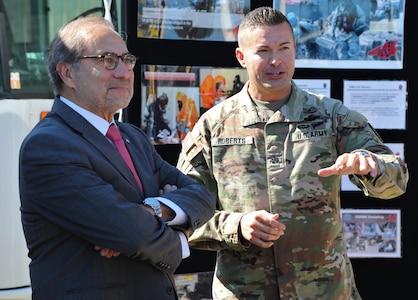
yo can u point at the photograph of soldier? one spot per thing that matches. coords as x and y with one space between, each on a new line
187 114
237 85
347 22
155 117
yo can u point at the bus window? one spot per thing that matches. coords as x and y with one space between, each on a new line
2 48
26 29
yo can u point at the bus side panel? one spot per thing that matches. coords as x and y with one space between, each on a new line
17 118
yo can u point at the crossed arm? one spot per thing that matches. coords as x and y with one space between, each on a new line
167 215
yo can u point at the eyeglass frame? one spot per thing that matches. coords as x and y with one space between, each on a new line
130 65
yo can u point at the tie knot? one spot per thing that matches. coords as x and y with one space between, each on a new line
113 133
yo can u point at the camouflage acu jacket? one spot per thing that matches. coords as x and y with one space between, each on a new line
251 162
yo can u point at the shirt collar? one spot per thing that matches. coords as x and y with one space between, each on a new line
99 123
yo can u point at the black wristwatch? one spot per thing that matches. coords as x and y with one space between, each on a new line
155 205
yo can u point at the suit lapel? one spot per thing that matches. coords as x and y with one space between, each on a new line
95 138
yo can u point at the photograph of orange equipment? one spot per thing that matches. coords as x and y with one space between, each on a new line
174 97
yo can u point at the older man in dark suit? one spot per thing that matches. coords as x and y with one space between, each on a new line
93 231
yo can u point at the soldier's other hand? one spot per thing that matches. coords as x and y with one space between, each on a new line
261 228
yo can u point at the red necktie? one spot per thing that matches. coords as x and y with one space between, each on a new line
114 135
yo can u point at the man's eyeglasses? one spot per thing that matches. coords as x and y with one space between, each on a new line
110 60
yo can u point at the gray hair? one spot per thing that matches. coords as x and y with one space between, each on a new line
69 44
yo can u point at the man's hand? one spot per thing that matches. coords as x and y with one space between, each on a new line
261 228
106 252
168 188
168 213
351 163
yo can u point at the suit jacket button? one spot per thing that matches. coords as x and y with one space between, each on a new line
170 290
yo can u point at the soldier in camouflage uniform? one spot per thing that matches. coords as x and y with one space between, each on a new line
273 155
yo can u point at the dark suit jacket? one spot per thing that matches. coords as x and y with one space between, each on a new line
77 192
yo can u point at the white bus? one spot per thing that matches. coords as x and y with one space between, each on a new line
26 29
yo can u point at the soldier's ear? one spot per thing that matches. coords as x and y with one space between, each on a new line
239 54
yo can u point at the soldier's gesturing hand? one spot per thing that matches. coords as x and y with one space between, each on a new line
261 228
359 163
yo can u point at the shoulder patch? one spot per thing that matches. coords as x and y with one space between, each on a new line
191 144
188 143
354 119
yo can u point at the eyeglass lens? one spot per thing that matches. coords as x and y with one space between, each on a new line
111 60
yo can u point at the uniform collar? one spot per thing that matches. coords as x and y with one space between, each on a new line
290 112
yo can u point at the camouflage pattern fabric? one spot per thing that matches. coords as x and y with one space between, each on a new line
250 161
